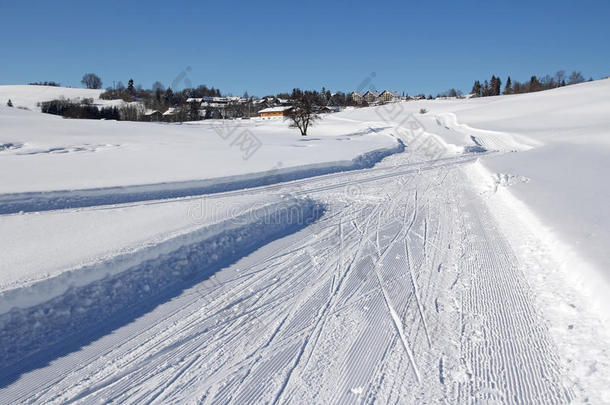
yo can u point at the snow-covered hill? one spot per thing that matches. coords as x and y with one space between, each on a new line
28 96
236 261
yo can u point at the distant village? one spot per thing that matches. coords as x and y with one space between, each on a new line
270 107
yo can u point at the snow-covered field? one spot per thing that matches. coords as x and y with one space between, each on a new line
237 262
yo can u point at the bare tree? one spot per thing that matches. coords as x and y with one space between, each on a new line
560 76
575 78
304 113
91 81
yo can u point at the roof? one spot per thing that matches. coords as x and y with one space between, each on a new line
170 111
275 109
151 112
392 93
373 92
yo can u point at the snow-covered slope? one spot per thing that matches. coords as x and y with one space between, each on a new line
561 170
28 96
42 152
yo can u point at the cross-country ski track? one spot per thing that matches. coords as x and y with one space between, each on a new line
402 292
401 289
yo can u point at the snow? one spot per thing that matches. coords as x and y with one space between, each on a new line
150 262
51 153
28 96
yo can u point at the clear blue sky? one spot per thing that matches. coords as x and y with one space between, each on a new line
269 46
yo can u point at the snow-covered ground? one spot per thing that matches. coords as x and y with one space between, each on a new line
186 267
42 152
29 96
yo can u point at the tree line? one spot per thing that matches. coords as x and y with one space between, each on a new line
83 109
493 87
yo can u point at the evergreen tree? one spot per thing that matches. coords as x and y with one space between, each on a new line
508 88
169 96
130 88
10 103
476 89
534 84
485 90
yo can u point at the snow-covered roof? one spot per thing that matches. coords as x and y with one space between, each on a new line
151 112
275 109
193 100
170 111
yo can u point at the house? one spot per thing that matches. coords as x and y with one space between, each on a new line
153 115
389 96
171 114
330 109
275 112
371 96
357 97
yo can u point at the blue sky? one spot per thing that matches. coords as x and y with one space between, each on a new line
272 46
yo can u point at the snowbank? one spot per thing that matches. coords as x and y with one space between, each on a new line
52 200
40 314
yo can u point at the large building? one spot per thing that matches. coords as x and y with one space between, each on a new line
388 96
357 97
371 96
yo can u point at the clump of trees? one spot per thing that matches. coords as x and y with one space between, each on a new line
79 109
450 93
54 84
9 103
91 81
547 82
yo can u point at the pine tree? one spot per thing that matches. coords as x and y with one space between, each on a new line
508 88
130 87
485 90
169 96
534 84
10 103
476 89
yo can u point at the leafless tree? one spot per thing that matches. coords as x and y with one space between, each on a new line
560 76
91 81
303 114
575 78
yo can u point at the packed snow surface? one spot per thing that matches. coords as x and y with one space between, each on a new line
159 263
